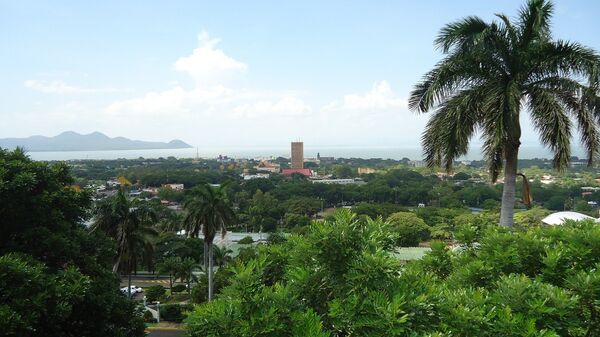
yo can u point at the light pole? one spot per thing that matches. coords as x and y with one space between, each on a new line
157 312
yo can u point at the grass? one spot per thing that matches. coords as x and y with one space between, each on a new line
411 253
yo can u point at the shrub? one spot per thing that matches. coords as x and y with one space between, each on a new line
410 229
155 293
179 288
246 240
174 312
276 238
147 317
221 280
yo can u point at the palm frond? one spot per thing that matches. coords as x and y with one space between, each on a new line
465 32
551 120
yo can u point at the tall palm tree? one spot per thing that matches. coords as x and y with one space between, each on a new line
209 211
129 226
493 71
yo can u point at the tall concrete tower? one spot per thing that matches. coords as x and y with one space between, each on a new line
297 155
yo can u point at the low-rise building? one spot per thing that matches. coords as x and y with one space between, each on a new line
267 166
366 170
304 171
256 176
174 187
345 181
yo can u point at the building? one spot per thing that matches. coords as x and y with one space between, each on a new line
174 187
305 172
255 176
366 170
418 163
324 160
345 181
297 155
267 166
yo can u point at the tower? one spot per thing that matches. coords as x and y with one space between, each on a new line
297 155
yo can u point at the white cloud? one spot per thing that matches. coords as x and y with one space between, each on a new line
207 64
60 87
170 101
288 106
380 97
209 67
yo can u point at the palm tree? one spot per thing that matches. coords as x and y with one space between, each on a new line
185 271
208 210
171 266
129 226
493 71
222 255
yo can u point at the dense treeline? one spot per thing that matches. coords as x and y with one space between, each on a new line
55 275
342 279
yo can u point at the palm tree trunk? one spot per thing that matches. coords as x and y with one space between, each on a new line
205 255
210 272
508 191
129 280
116 264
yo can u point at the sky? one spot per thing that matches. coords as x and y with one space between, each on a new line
235 73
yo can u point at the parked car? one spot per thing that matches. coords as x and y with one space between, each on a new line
134 290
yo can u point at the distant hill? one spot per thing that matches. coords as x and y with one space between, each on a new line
96 141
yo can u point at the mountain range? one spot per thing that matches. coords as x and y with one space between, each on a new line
95 141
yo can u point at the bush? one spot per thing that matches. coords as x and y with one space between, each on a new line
221 280
147 317
155 293
410 229
276 238
179 288
246 240
174 312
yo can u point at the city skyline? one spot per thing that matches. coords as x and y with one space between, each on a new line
214 77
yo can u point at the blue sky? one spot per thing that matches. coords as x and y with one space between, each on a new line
234 73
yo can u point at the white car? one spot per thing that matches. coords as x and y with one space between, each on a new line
134 290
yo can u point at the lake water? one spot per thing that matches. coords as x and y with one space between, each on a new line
414 153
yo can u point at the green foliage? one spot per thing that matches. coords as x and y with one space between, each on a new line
155 293
246 240
148 318
540 281
409 228
174 312
179 288
276 238
531 217
55 276
200 290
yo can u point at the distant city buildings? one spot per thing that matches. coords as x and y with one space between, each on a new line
418 163
256 176
366 170
267 166
324 160
174 187
345 181
297 155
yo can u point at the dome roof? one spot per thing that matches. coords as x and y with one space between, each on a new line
559 218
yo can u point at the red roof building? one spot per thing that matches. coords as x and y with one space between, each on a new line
303 171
